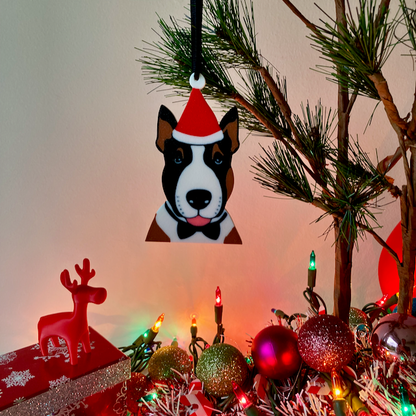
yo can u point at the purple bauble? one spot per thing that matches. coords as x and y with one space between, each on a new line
275 352
394 338
325 342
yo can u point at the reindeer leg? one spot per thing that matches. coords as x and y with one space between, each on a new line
85 339
73 352
55 341
43 342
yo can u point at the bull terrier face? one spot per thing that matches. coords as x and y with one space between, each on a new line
197 179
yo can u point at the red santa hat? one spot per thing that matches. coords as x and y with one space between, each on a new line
198 124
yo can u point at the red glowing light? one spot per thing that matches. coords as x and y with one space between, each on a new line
382 301
218 297
242 398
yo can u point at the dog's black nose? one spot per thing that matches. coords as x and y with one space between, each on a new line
198 198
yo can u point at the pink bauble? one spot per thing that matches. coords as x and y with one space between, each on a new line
394 338
275 352
325 342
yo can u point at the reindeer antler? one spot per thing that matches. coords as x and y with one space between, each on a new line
85 273
66 281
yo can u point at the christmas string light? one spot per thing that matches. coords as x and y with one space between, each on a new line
219 337
312 271
248 407
380 308
339 403
404 402
315 301
195 342
157 325
144 346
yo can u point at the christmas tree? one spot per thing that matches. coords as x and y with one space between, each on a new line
309 161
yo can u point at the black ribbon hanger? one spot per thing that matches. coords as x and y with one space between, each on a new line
196 36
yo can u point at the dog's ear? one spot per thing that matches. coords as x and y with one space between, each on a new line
166 122
229 124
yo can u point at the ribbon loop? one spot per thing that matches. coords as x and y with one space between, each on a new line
196 36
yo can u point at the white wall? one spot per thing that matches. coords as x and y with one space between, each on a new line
80 177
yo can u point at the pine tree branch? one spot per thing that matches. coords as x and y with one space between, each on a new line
411 131
389 162
384 6
287 113
297 13
351 102
384 93
263 120
399 125
281 101
381 242
318 204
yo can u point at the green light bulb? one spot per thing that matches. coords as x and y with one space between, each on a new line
312 264
404 401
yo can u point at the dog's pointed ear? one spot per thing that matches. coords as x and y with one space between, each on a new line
229 124
166 122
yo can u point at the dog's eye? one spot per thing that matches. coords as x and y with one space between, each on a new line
178 159
218 159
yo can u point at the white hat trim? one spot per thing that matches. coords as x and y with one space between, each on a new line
198 140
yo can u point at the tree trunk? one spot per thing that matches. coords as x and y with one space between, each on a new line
343 247
342 279
406 268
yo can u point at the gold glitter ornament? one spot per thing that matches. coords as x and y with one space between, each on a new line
164 359
357 317
219 366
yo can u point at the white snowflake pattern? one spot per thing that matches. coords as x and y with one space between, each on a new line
19 400
7 358
61 351
18 378
1 393
58 382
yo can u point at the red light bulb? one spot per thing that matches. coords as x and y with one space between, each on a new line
218 297
382 301
241 397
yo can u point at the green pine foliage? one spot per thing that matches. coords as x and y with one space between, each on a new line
304 161
361 46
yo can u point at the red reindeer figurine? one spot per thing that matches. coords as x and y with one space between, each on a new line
72 326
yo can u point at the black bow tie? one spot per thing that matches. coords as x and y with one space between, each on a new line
211 230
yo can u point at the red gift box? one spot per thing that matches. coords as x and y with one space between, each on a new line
31 384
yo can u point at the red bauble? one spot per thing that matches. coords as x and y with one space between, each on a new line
394 338
275 352
387 269
325 342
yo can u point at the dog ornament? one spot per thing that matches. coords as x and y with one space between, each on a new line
197 178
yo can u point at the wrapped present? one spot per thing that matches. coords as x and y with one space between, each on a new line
33 384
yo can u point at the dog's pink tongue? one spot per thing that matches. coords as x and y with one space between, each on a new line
198 221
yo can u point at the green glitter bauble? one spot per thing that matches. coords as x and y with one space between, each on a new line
164 359
219 366
357 317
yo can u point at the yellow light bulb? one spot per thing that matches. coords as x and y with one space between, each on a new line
158 323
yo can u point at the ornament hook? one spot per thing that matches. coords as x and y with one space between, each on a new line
197 83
